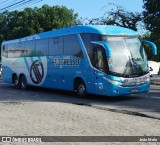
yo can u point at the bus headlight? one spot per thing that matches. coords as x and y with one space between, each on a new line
113 82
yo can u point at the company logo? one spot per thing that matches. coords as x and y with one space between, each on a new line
36 72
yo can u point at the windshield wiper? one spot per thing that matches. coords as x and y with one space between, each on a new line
129 62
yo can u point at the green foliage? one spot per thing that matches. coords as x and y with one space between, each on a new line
152 21
152 14
18 24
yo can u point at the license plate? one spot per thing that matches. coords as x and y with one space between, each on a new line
134 90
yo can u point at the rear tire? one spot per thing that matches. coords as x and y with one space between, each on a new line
16 82
80 88
23 83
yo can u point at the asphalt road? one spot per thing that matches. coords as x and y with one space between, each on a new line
146 105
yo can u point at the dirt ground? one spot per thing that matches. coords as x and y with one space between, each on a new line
65 119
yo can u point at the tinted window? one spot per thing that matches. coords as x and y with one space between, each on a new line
99 58
30 48
12 49
21 47
4 50
41 47
56 46
87 38
18 49
71 46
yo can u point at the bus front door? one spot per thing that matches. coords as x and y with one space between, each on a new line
100 63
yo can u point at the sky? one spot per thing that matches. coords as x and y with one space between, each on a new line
94 8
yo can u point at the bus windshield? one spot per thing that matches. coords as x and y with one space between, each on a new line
128 57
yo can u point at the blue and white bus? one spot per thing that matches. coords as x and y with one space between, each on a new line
103 60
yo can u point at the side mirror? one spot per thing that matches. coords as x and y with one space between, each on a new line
152 45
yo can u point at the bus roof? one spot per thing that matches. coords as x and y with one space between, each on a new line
97 29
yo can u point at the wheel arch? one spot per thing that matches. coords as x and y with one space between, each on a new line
22 74
13 75
22 81
77 78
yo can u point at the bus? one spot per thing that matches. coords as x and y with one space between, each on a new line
95 59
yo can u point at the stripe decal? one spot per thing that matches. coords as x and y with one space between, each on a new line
27 66
37 73
35 69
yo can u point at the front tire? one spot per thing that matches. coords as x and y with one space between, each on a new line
23 83
80 88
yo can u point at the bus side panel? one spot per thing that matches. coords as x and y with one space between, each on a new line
61 72
89 78
34 69
101 86
53 79
12 66
7 74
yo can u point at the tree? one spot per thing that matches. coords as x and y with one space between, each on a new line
17 24
118 17
30 21
151 15
3 25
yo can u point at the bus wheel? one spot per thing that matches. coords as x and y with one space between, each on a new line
80 88
15 82
23 83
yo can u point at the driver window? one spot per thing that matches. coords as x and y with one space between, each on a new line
99 58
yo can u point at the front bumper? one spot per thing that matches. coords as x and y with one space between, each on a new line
115 90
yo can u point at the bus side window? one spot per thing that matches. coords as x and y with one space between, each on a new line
21 49
42 47
12 49
30 48
87 38
18 49
55 46
72 46
4 50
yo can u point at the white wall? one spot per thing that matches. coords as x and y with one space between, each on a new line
155 66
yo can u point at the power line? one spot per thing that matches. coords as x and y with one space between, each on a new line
11 5
20 3
30 4
6 3
3 2
23 3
